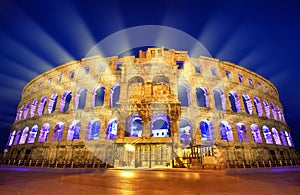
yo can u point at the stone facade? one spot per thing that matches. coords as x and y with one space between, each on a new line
150 111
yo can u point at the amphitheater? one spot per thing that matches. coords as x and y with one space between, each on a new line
162 108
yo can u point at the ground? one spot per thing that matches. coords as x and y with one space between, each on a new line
23 180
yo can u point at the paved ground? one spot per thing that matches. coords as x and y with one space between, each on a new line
22 180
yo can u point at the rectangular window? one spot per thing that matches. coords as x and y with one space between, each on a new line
72 73
118 66
198 69
152 53
159 53
214 71
49 81
86 70
267 89
33 88
250 82
59 77
259 85
41 85
227 74
180 64
240 78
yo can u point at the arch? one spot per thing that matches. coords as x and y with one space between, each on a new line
234 101
33 107
206 129
226 131
279 112
114 95
65 101
219 99
274 111
42 105
242 132
19 113
11 138
44 132
276 136
80 98
160 126
267 108
258 106
24 135
186 133
202 97
26 109
183 91
283 139
161 79
93 130
256 133
134 127
112 129
98 96
74 130
289 139
247 103
32 134
17 138
135 79
52 103
58 132
267 135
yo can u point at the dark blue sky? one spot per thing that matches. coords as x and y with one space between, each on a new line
263 36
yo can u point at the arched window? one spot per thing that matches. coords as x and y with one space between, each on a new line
20 112
289 139
74 130
26 110
267 108
11 138
58 132
202 97
65 101
258 106
98 96
274 111
24 135
242 132
80 98
93 130
134 126
52 103
276 136
247 104
160 79
234 101
256 134
42 105
33 108
160 126
114 95
17 138
226 131
136 80
112 129
206 128
279 112
183 95
186 133
32 134
267 135
219 99
283 139
44 132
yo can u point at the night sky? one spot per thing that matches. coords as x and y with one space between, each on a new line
263 36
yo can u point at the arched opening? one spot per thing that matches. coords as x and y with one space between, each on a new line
33 108
114 95
58 132
44 132
74 130
186 133
52 103
160 79
183 95
219 99
279 112
289 139
258 106
202 97
226 131
160 126
93 130
26 110
136 79
17 138
20 112
98 96
267 135
242 132
24 135
274 111
267 108
32 134
42 105
283 139
247 104
256 133
65 101
134 127
11 138
276 136
112 129
80 98
234 101
206 128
